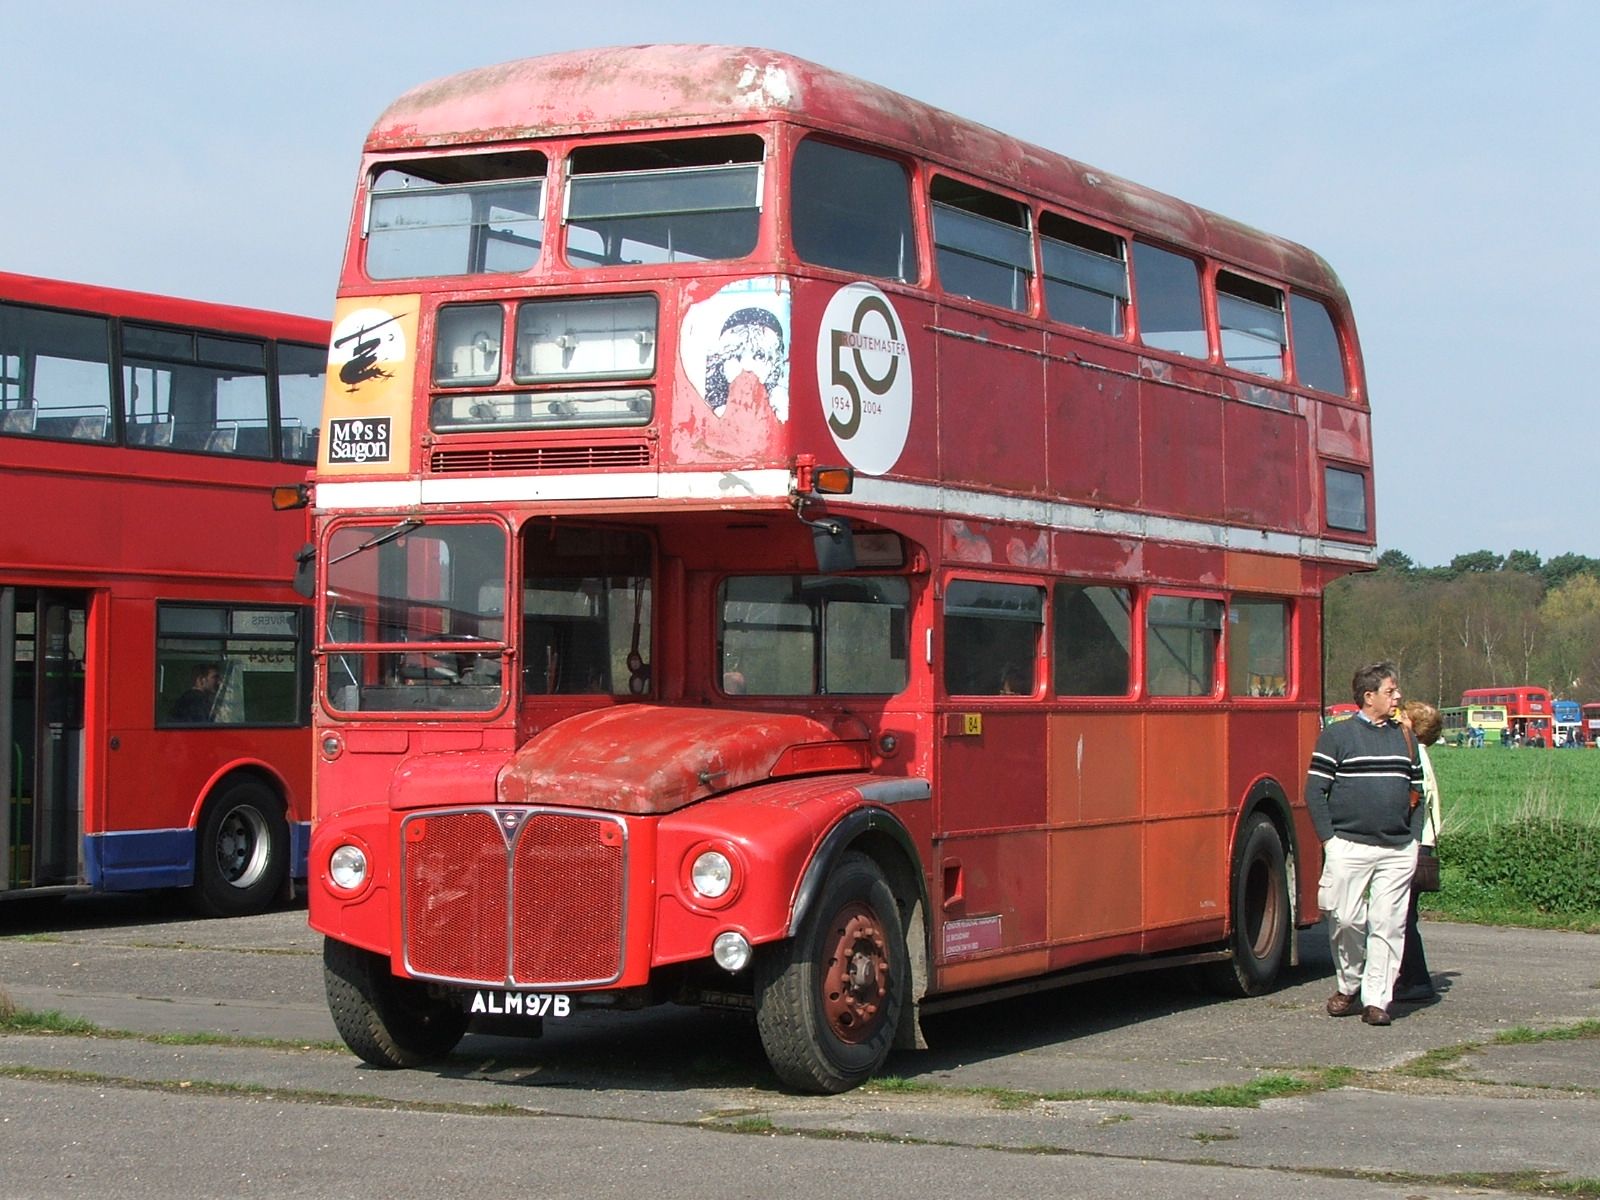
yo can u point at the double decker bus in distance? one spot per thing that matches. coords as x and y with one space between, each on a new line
1590 716
1478 725
1530 711
1568 715
784 546
153 673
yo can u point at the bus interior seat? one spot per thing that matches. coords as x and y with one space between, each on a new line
253 440
222 441
151 433
21 419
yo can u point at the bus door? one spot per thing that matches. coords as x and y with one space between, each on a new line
41 714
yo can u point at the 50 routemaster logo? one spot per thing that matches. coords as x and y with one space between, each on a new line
864 377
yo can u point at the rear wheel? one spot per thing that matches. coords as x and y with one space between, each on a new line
829 999
1259 913
386 1021
241 851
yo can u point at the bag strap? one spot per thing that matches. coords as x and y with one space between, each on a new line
1411 747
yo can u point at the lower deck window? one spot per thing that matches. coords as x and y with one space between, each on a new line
1258 648
225 665
805 635
991 638
1181 638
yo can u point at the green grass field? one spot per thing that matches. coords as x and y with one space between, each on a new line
1521 837
1479 789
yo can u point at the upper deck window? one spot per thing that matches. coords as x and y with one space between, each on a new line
301 370
664 201
853 211
1250 319
984 248
462 215
55 374
1317 361
1085 274
1170 316
195 391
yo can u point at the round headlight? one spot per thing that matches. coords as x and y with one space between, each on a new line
712 874
347 867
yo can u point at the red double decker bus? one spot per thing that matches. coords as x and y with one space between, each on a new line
1530 712
153 671
784 546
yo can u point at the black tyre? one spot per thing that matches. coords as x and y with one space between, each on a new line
829 999
241 850
1259 913
386 1021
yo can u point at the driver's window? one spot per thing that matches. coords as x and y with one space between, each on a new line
585 611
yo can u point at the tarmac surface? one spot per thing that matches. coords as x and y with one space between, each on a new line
1492 1089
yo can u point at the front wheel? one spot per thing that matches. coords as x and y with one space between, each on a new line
829 999
386 1021
1259 913
241 851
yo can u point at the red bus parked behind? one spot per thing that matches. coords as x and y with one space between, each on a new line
153 679
1530 711
786 547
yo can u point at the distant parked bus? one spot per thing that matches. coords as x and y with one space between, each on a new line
1489 720
1591 723
1569 722
1529 710
1339 712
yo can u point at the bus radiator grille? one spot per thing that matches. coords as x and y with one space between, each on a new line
454 896
566 900
528 897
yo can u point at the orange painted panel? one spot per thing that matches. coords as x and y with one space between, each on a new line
1184 761
1263 573
1002 875
1095 881
1186 870
1094 767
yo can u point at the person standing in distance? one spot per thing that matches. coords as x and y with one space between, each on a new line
1359 791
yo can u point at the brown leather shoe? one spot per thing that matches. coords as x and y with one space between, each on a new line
1376 1016
1341 1004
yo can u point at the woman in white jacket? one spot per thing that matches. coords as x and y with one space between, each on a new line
1415 984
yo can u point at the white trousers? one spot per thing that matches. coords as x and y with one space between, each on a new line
1364 891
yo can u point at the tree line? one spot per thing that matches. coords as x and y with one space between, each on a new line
1483 621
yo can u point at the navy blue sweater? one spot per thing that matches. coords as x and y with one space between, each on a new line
1359 784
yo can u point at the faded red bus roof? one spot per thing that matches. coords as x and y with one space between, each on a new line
171 310
622 88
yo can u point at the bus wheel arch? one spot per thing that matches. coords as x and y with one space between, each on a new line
1260 899
830 998
241 846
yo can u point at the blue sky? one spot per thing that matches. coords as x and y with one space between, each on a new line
1440 155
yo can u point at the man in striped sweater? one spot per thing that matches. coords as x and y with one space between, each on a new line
1359 789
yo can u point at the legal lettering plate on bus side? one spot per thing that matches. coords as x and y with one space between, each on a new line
495 1002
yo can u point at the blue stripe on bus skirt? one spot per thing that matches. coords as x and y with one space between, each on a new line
163 858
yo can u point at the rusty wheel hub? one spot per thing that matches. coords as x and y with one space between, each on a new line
855 973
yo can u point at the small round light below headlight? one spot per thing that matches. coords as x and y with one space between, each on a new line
731 951
347 867
712 874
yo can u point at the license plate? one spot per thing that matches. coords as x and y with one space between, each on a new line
489 1003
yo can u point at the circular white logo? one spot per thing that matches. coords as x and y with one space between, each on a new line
864 377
